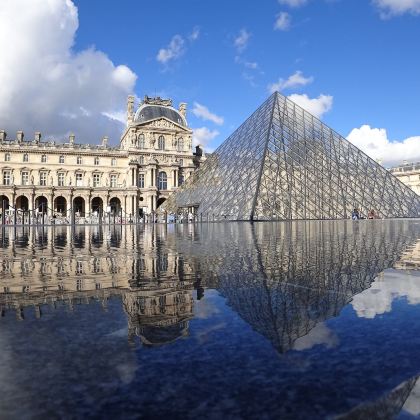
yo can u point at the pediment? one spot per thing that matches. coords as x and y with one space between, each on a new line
163 123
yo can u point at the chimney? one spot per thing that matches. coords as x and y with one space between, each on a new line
19 136
104 141
3 136
183 109
37 138
71 139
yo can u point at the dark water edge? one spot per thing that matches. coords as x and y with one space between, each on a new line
272 320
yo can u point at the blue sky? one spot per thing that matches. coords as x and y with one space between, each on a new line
354 63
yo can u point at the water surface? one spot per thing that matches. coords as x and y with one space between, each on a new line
271 320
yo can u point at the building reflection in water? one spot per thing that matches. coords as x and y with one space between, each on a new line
282 278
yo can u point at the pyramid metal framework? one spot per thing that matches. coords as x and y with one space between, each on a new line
283 163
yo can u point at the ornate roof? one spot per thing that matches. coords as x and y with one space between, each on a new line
152 108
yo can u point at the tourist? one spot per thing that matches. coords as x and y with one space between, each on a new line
355 214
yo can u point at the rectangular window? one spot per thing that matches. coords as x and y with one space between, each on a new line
61 159
141 180
61 179
25 178
113 179
6 178
79 180
43 178
96 160
96 180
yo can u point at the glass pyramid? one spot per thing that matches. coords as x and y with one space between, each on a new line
282 163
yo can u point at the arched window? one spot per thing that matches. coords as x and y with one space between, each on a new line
79 160
141 141
61 159
43 158
161 143
180 145
25 157
7 157
96 160
162 181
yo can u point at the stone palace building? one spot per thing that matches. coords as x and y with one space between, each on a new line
65 180
409 174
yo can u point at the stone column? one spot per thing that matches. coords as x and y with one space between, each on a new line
50 210
88 205
68 200
31 206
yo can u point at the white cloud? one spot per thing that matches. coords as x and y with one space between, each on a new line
241 41
177 47
194 34
203 136
283 21
320 334
173 51
46 86
251 65
203 112
293 3
378 299
316 106
295 80
375 143
390 8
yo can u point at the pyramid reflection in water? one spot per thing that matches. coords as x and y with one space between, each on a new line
283 163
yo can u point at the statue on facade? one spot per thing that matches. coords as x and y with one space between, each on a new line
152 140
130 108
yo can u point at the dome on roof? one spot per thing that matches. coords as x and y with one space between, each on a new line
148 112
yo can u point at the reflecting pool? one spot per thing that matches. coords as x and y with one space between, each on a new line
224 320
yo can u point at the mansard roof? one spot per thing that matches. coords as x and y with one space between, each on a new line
148 112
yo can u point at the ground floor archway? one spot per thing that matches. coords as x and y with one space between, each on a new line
22 203
60 205
41 204
4 202
115 205
79 206
97 206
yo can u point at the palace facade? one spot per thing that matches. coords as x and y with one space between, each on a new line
408 174
86 181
